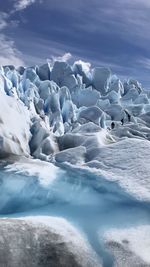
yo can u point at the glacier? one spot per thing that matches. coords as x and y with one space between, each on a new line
74 144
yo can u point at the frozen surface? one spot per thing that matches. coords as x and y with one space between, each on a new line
43 241
91 203
77 142
126 162
130 246
14 127
46 172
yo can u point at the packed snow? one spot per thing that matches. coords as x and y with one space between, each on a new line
130 246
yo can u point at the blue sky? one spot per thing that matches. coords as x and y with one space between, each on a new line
103 32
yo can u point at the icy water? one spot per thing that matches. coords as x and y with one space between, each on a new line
91 203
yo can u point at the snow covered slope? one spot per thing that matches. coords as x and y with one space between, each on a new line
14 127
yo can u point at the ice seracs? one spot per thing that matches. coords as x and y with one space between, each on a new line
73 113
44 72
100 78
81 119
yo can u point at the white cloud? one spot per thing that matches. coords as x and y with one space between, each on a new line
64 58
9 55
22 4
85 65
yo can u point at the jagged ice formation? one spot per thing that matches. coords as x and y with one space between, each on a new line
88 122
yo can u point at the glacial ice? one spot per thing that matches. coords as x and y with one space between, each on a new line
44 241
74 155
14 127
61 107
92 204
130 246
100 78
126 162
93 114
30 168
44 72
85 121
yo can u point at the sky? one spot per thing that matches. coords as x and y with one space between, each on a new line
108 33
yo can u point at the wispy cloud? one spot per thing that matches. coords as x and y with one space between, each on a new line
22 4
3 20
128 20
9 55
144 62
